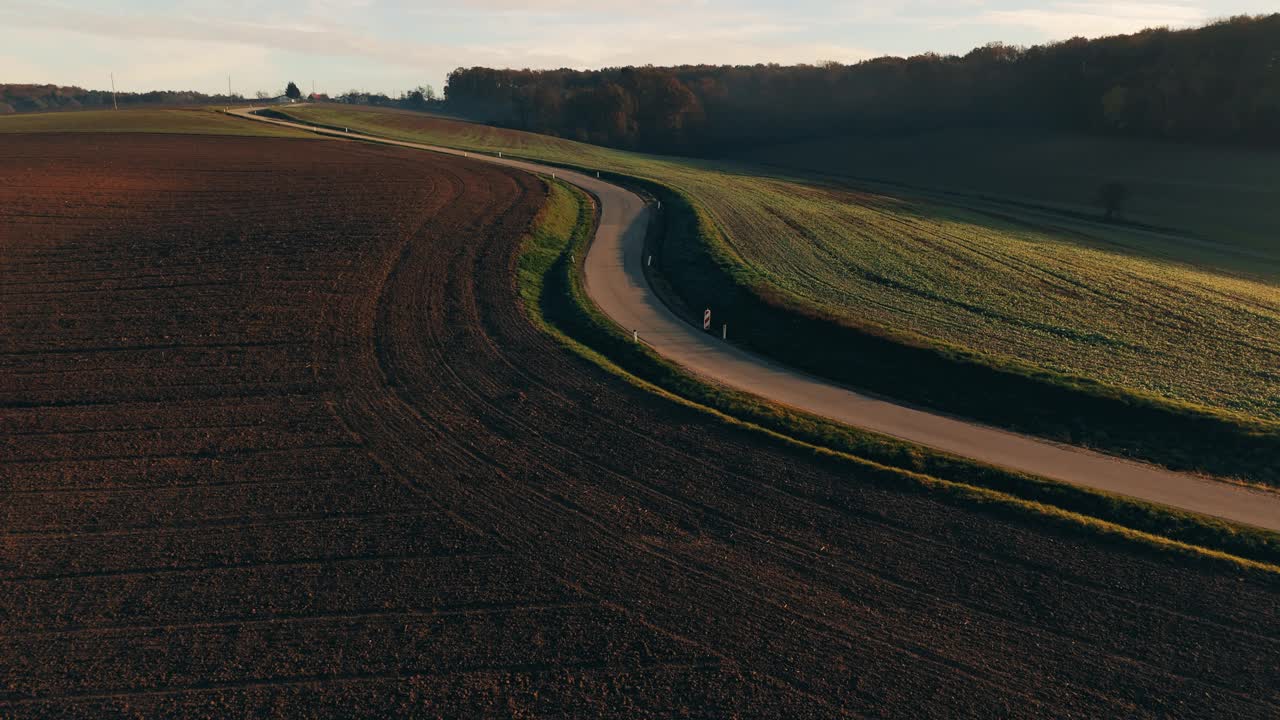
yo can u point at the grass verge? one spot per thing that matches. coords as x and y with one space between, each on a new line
555 300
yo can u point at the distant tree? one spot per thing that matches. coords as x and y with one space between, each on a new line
262 95
1112 197
292 91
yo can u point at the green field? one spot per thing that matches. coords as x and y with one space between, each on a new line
552 287
1126 308
1223 194
151 120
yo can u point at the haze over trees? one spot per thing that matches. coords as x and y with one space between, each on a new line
28 97
1220 82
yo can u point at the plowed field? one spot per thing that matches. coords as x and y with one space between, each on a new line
276 439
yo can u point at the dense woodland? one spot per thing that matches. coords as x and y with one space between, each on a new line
1220 82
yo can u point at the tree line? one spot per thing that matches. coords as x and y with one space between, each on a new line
27 97
16 97
1220 82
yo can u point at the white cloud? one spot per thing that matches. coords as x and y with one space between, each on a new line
138 66
1092 19
20 70
201 42
390 44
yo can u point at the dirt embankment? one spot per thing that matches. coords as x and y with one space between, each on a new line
277 440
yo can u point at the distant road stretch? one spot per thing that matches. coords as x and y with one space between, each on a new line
615 282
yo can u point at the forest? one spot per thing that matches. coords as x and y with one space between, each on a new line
1220 82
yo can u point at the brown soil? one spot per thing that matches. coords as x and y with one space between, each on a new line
278 441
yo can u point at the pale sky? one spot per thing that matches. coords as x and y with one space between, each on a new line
393 45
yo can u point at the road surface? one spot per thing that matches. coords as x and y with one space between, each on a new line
615 281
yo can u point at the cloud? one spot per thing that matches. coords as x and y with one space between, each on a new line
1093 19
554 8
549 33
138 66
384 44
20 70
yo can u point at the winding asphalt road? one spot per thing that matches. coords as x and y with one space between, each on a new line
615 281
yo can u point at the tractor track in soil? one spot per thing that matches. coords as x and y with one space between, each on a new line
456 516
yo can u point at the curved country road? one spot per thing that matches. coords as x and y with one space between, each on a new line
615 282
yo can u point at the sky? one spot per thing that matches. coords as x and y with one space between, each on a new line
393 45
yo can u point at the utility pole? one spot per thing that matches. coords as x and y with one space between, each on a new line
114 104
229 93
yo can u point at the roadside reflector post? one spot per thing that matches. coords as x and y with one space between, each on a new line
635 336
597 173
650 262
499 153
724 331
706 319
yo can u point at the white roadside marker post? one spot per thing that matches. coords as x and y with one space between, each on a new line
650 262
706 320
724 331
635 336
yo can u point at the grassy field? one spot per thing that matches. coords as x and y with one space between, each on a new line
1119 307
551 287
1223 194
152 120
